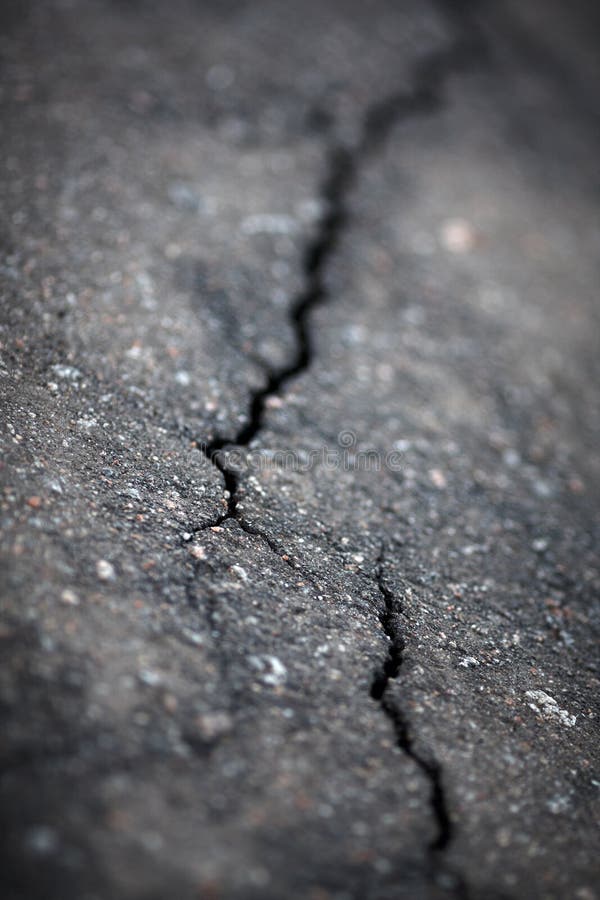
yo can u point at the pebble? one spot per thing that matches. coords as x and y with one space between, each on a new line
194 636
469 662
69 373
272 671
558 804
547 707
150 677
438 478
105 570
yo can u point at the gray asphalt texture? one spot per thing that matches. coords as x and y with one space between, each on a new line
299 359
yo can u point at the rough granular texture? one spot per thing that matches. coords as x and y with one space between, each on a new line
299 450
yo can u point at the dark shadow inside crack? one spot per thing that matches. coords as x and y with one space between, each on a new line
390 619
344 164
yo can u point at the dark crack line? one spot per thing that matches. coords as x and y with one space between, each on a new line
344 165
391 623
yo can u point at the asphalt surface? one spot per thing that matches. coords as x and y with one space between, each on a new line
299 375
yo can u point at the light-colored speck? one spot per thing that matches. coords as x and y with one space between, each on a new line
105 570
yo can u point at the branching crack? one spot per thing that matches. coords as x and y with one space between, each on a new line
391 622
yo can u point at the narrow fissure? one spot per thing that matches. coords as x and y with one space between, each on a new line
391 624
341 174
343 169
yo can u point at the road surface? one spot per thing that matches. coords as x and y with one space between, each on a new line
299 372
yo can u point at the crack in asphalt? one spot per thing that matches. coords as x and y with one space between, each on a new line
391 623
343 170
